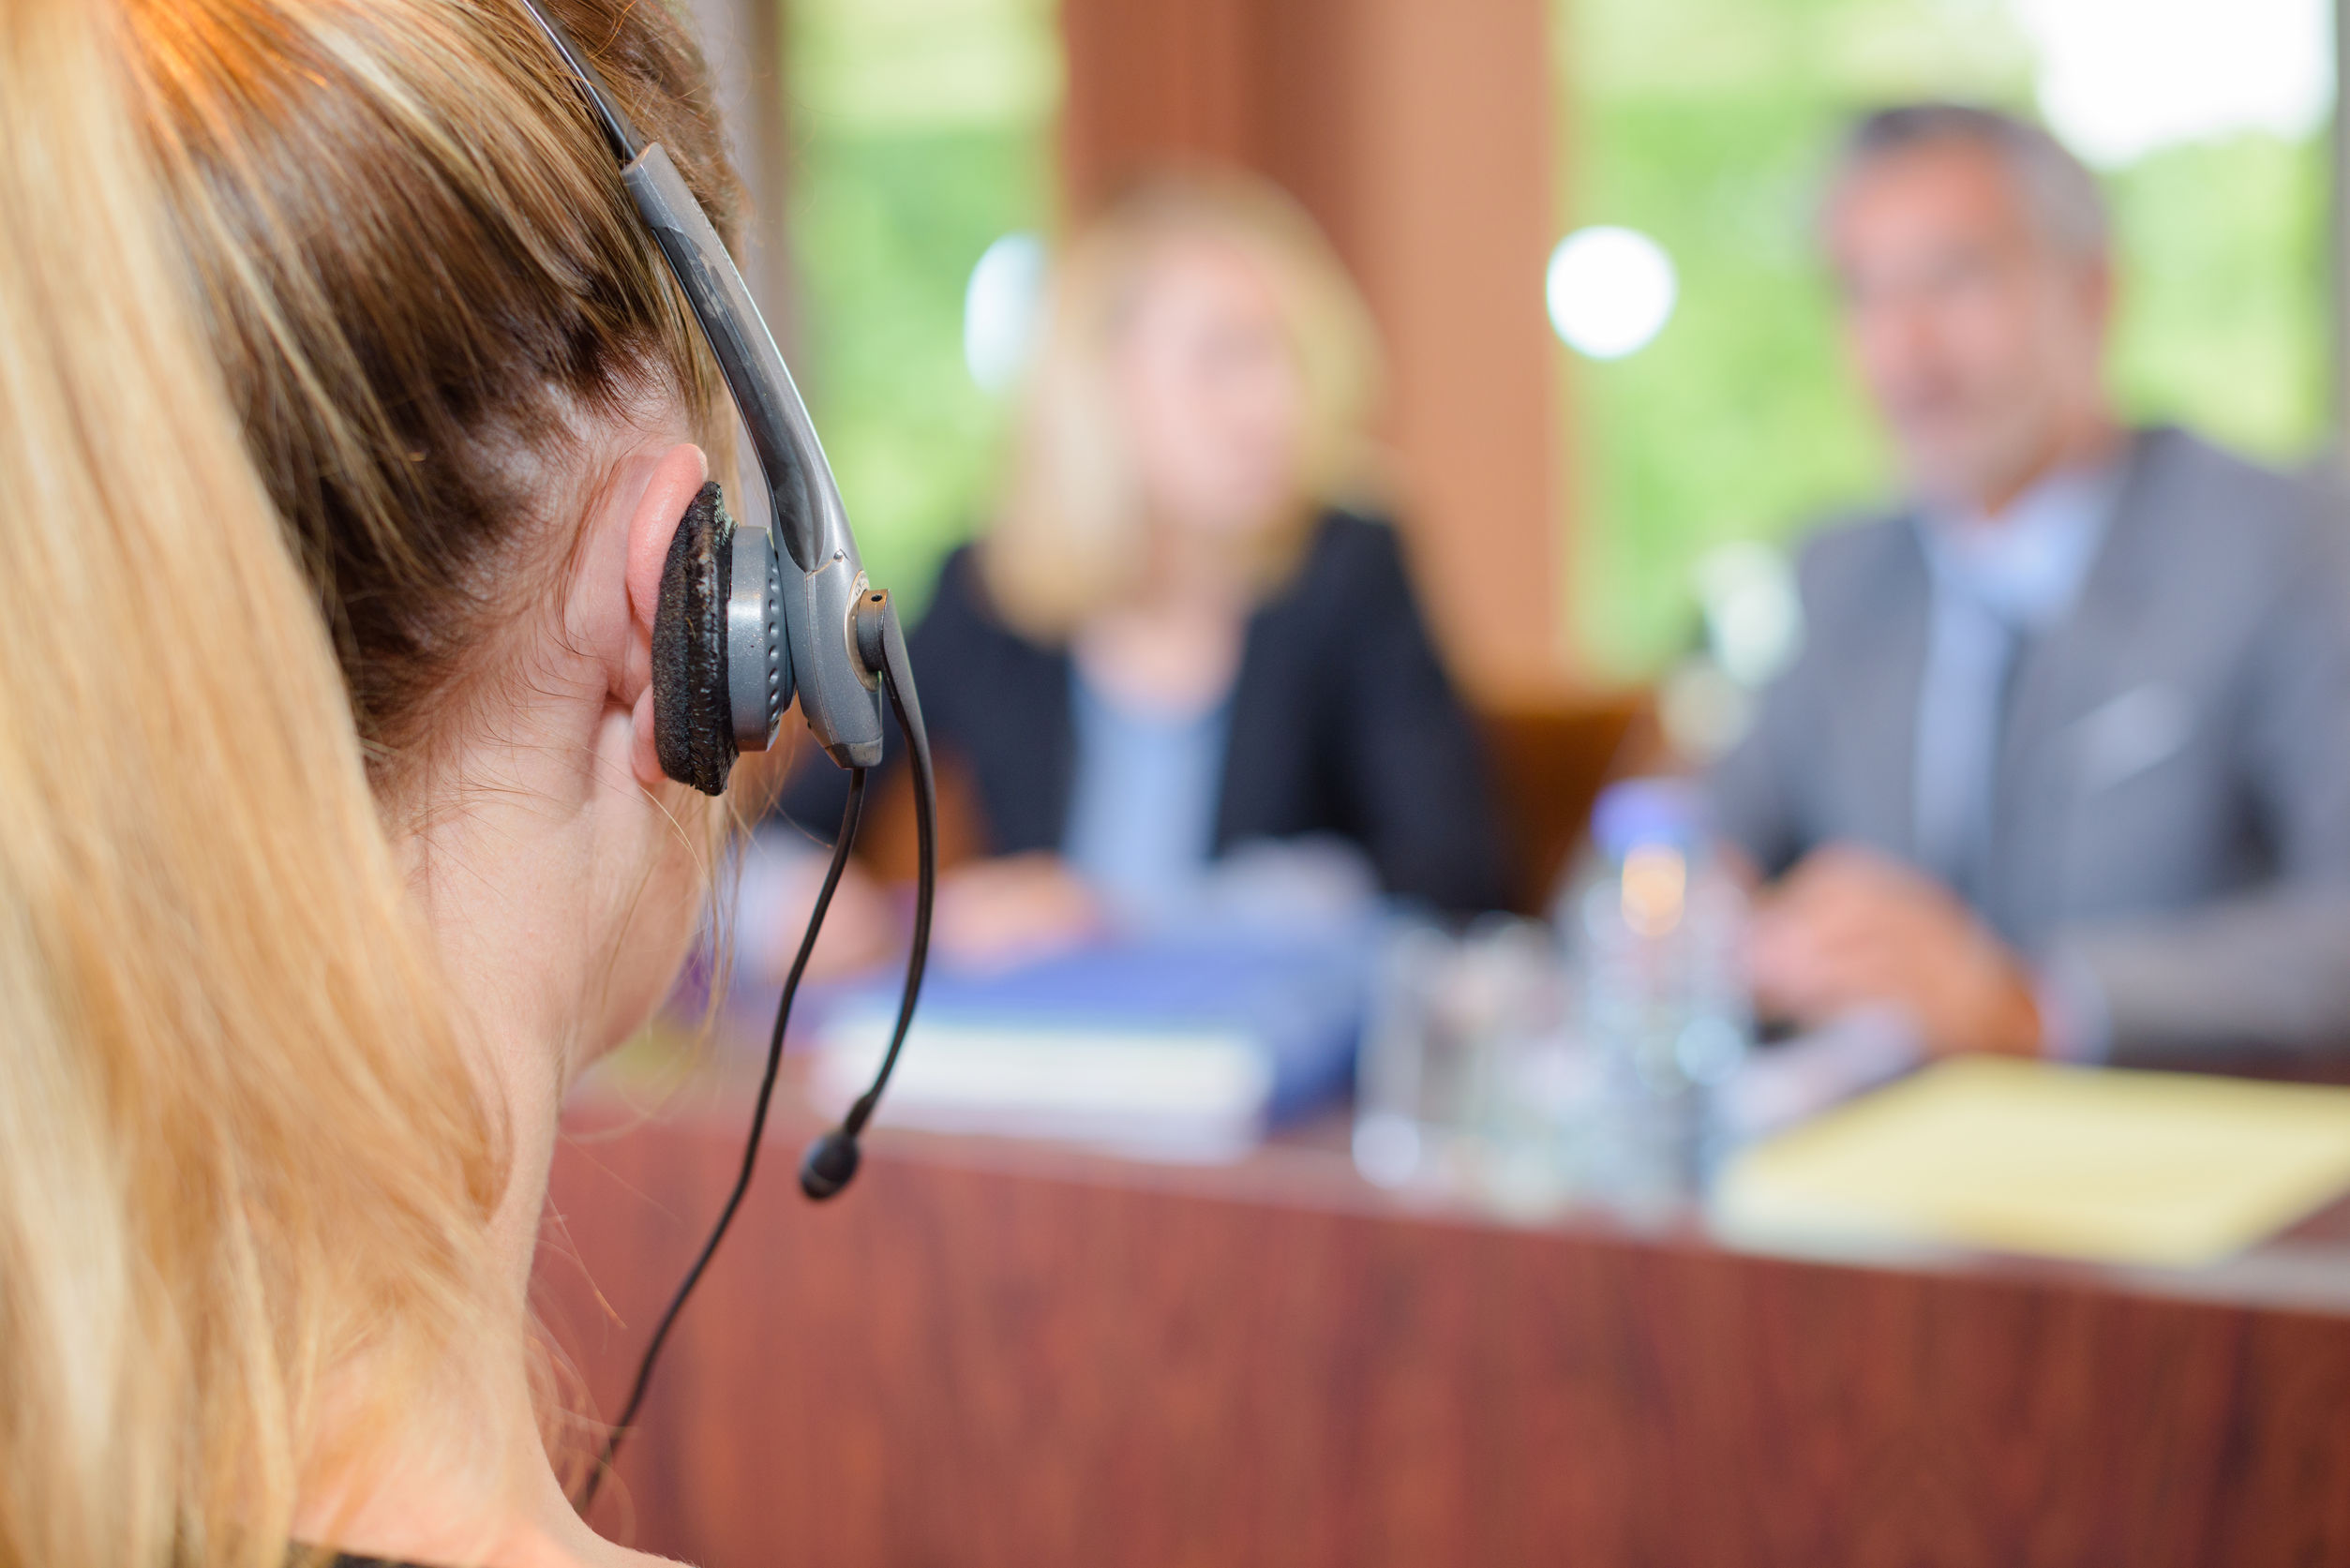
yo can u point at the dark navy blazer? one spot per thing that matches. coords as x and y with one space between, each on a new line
1344 721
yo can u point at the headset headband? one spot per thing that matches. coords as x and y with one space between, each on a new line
839 697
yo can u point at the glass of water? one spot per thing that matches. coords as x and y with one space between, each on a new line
1465 1051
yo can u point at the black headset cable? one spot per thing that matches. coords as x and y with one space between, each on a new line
612 1441
831 1160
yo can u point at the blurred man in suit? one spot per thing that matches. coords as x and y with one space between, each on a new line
2064 767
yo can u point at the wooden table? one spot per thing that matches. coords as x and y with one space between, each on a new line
996 1354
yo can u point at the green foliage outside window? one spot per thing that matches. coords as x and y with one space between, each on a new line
922 132
2225 309
1706 124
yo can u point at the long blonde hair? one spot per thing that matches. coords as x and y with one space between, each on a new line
1070 534
288 290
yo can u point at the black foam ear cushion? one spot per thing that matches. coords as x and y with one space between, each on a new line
692 721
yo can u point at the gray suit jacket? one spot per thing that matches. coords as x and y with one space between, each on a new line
2172 809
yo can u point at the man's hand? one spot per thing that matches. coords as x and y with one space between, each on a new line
1848 928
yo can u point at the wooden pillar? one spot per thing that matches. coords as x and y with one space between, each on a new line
1420 134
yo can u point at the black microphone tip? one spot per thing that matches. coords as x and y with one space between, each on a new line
828 1164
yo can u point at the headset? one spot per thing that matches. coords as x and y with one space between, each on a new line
745 621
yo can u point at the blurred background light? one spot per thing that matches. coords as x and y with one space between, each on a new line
1001 310
2120 79
1754 613
1611 291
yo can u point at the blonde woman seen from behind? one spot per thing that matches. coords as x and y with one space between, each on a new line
347 414
1182 635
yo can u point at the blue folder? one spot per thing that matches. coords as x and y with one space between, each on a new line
1301 1000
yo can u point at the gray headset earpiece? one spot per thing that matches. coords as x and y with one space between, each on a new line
721 667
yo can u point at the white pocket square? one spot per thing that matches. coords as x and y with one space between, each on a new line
2124 736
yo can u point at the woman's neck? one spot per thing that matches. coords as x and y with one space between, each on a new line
1173 657
501 988
1174 647
549 948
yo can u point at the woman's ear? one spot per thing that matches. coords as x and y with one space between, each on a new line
672 480
677 476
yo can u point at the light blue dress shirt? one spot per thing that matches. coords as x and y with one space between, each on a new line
1997 582
1143 802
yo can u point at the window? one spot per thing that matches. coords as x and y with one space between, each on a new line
1705 124
922 132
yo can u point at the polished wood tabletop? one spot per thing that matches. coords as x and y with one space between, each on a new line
990 1352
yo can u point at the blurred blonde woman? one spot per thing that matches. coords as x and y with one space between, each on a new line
346 415
1180 637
